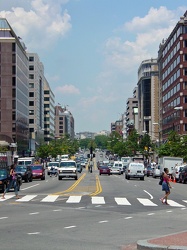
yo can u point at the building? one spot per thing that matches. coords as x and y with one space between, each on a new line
14 89
49 113
148 98
36 102
172 60
64 122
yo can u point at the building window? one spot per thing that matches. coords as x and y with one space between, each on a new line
185 85
13 70
31 121
31 94
31 58
185 127
31 112
185 43
31 67
185 57
13 104
13 93
31 85
31 76
13 58
13 81
31 103
13 47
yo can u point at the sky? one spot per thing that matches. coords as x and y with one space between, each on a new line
91 49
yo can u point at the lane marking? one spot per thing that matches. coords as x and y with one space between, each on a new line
50 198
22 189
74 199
70 227
2 218
174 204
151 214
148 194
26 198
127 218
98 187
103 221
57 210
34 213
7 197
34 233
98 200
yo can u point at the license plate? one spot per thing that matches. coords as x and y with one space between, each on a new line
139 171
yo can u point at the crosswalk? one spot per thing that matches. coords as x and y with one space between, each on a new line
94 200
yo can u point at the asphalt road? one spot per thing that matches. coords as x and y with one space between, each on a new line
104 212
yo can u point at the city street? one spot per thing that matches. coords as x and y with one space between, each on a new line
104 212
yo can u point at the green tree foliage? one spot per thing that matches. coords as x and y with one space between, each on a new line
101 141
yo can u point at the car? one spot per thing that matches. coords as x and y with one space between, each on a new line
115 170
68 169
183 175
176 172
135 170
38 171
25 172
54 165
119 164
104 170
4 179
149 171
156 171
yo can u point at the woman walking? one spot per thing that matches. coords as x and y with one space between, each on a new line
12 182
165 186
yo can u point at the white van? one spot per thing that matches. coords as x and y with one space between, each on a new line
26 161
135 170
118 164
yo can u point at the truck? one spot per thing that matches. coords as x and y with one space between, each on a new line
170 163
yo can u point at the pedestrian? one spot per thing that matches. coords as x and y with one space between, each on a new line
12 182
165 186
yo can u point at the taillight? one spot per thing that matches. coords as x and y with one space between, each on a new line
177 172
128 170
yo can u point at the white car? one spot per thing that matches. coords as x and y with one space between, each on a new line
115 170
177 171
156 171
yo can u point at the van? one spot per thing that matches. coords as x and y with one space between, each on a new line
135 170
68 169
26 161
118 164
64 157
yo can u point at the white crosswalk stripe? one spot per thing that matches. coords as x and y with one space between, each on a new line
95 200
146 202
50 198
122 201
74 199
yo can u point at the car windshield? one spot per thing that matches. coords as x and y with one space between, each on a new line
103 167
67 164
36 167
3 173
56 164
20 168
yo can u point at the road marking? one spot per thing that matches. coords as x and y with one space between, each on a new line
74 199
98 200
2 218
57 210
34 233
50 198
151 214
174 204
148 194
26 198
34 213
30 187
127 218
103 221
122 201
98 187
70 227
7 197
146 202
169 211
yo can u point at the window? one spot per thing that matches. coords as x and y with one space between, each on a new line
31 103
31 85
31 59
31 94
13 81
185 71
31 67
185 85
31 112
13 70
185 57
185 99
31 121
13 47
31 76
13 93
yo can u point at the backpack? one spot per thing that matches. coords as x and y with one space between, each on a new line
161 180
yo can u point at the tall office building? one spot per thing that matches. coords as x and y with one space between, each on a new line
148 96
49 113
36 102
14 89
172 61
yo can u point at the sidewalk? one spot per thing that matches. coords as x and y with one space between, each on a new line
177 241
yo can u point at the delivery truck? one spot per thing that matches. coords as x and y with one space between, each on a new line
169 162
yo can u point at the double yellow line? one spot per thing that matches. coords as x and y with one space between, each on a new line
98 187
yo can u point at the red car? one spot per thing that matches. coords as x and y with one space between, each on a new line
104 170
38 171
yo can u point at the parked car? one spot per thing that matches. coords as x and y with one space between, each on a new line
25 172
4 180
104 170
176 172
38 171
183 175
115 170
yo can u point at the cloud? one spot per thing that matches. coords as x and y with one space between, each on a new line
43 23
67 90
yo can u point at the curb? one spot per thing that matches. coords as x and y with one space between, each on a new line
145 245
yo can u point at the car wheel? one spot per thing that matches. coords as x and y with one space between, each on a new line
59 178
27 179
142 178
30 180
